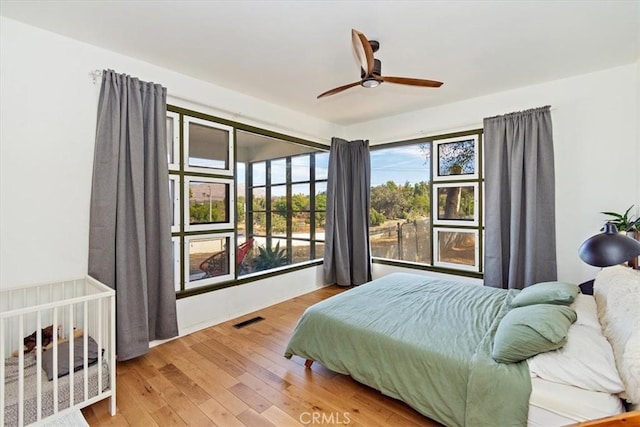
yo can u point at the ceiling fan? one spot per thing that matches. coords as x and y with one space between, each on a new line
371 68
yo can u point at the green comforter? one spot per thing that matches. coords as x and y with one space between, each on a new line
424 341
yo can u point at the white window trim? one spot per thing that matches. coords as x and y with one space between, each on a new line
436 250
231 247
199 169
435 163
460 222
230 202
175 165
176 262
175 226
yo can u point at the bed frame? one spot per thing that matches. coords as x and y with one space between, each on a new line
83 304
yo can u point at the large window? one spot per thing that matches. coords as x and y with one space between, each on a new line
244 203
426 202
281 202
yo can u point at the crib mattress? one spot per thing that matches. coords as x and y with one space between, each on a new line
30 389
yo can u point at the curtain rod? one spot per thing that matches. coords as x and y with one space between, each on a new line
233 115
95 75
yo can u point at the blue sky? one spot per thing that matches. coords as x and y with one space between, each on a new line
400 164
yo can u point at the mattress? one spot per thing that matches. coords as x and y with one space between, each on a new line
553 404
30 389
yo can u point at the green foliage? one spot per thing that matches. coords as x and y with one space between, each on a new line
624 222
394 201
376 218
200 213
269 258
241 208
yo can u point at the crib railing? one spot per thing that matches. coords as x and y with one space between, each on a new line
70 306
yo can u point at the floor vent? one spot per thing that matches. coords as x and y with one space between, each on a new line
248 322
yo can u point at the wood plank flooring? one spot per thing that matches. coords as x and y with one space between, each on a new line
238 377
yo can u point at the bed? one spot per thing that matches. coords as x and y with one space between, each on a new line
57 341
433 344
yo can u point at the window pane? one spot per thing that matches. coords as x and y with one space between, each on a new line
300 197
457 247
259 199
320 217
456 203
322 165
278 224
321 206
170 140
400 203
173 201
300 224
260 223
208 147
208 257
241 203
456 158
265 257
259 173
278 171
208 202
301 251
300 168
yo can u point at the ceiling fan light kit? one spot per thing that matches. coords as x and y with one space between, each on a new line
371 68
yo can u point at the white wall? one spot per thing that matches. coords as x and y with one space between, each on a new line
47 123
596 138
48 110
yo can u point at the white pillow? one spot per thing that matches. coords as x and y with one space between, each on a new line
586 361
585 308
617 293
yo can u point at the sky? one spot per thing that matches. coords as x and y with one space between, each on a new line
399 164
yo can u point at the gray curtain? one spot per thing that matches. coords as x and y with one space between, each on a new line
520 242
130 245
347 255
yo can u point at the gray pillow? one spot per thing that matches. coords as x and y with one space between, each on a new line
527 331
63 357
547 293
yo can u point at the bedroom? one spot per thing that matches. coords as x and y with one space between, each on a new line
46 81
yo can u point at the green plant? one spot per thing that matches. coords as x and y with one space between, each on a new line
623 222
268 258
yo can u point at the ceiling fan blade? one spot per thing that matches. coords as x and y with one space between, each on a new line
363 50
338 89
411 82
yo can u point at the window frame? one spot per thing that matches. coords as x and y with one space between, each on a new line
226 225
455 222
476 179
437 142
229 170
180 235
215 279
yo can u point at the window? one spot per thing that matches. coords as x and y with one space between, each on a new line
426 202
281 195
200 154
243 203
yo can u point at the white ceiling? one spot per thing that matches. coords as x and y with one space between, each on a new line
287 52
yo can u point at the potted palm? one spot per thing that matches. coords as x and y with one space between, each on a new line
625 223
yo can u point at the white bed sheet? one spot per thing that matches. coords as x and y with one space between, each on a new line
552 404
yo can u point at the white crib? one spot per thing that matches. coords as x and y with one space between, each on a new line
84 308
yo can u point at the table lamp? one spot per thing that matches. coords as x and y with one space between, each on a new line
606 249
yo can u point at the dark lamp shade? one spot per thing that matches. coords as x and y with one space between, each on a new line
609 248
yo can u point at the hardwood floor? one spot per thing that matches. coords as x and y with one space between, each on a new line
239 377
